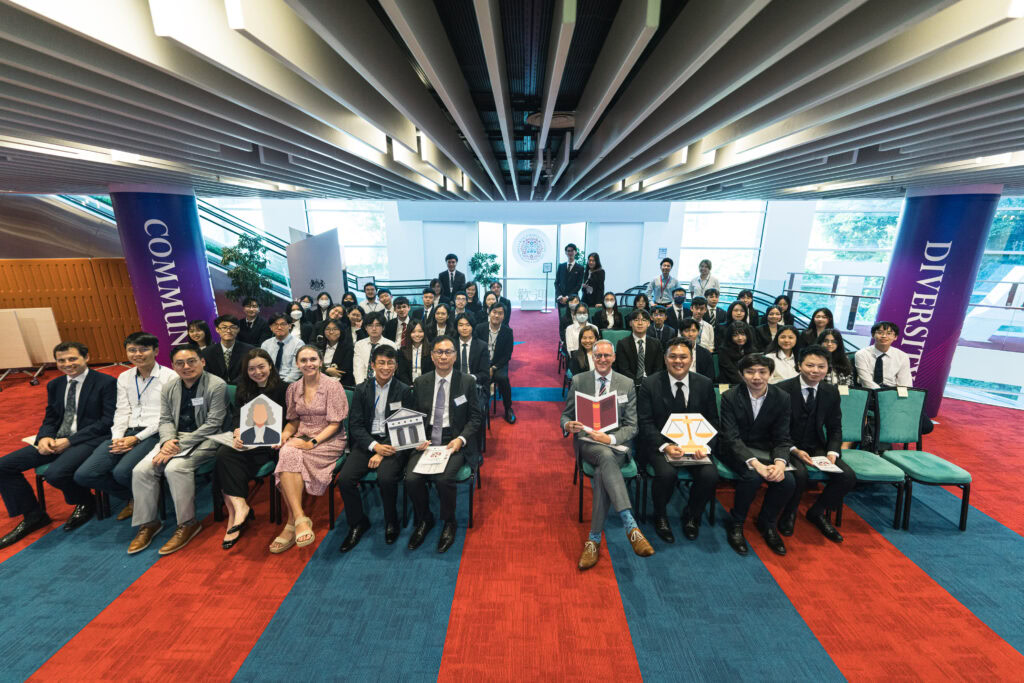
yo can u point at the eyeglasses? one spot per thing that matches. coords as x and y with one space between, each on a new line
279 324
444 352
191 362
604 355
227 328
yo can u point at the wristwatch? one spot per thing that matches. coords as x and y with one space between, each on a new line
314 441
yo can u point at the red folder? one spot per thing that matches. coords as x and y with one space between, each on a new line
598 413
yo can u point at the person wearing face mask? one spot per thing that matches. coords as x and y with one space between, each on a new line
568 316
301 328
677 310
323 305
581 317
306 303
609 317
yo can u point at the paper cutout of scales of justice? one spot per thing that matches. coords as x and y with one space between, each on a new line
689 431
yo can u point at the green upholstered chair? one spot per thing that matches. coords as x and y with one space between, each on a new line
585 469
594 310
898 421
341 461
714 363
615 335
625 311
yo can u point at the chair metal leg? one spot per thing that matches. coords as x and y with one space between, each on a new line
965 506
839 512
575 472
40 493
330 504
898 512
471 502
906 503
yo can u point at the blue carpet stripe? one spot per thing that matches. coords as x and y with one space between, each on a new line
41 587
979 567
537 394
379 612
699 608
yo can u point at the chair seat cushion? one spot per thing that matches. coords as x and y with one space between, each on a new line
41 470
369 477
682 472
207 466
927 467
872 468
628 471
723 471
265 470
465 472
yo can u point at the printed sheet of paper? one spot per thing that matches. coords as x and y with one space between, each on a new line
823 464
433 460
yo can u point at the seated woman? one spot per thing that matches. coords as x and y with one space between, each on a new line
236 466
492 298
311 446
301 327
785 304
439 324
414 356
767 331
640 301
582 359
306 304
355 324
737 343
608 317
581 316
747 297
821 320
840 369
472 298
199 333
783 352
348 300
336 351
737 312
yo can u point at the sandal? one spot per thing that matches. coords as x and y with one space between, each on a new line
280 544
312 536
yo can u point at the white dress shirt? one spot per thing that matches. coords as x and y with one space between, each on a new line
804 386
380 398
361 356
289 371
138 401
329 352
685 379
699 286
785 368
417 361
755 406
371 306
445 422
895 368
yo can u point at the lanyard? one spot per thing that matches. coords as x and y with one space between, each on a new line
148 382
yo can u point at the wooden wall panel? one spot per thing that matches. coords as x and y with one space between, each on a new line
91 299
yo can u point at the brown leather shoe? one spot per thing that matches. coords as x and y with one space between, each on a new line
640 545
144 537
589 557
126 512
182 535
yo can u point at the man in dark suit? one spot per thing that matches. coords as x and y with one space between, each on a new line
660 330
677 310
225 359
754 443
568 278
638 356
676 390
500 340
715 315
395 328
816 427
704 361
449 400
253 329
79 415
471 356
496 288
372 403
451 280
426 314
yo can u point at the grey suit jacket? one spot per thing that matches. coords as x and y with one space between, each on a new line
210 416
587 383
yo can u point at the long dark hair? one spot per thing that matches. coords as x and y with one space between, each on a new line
615 306
787 315
774 348
737 327
476 293
782 316
202 327
734 304
839 361
407 337
247 389
647 302
831 321
597 259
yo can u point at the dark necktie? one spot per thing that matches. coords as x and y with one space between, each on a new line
438 424
280 356
227 358
680 398
641 360
604 386
70 407
878 376
810 398
465 357
451 280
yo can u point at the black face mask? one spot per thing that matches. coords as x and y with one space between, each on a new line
680 300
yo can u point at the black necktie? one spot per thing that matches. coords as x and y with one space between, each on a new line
280 356
878 370
810 397
70 408
680 398
465 361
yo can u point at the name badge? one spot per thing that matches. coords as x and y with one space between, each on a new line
459 400
902 392
198 401
622 398
722 388
395 406
844 390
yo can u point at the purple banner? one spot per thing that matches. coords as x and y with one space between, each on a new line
935 262
166 259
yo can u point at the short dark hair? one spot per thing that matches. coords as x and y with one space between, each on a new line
497 282
384 290
191 346
461 292
885 325
574 247
711 290
745 292
225 318
441 338
815 350
670 262
659 309
687 323
678 341
400 301
703 261
278 316
142 339
451 256
679 289
427 290
383 350
463 316
250 300
433 282
496 304
638 313
698 301
64 347
752 359
374 317
369 284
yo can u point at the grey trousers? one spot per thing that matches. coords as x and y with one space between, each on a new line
608 485
180 473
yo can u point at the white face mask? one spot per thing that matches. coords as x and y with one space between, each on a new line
296 315
305 305
609 304
581 317
324 303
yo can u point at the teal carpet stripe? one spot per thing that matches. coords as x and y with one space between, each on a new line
536 394
377 613
980 567
698 607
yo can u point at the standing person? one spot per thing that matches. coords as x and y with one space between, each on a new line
496 288
659 290
236 464
362 353
451 280
471 354
676 390
840 370
225 359
882 364
80 409
568 278
755 443
372 403
500 342
700 285
715 315
607 452
821 320
705 332
737 343
785 305
414 359
638 356
608 318
311 445
370 303
282 347
136 421
193 408
783 352
323 305
593 282
816 428
253 329
769 329
449 400
395 328
677 310
580 322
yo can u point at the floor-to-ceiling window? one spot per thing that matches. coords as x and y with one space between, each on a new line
727 233
361 232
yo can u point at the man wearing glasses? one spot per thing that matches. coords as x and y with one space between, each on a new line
225 359
282 347
193 408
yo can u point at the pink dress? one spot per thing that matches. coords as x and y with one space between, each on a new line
316 465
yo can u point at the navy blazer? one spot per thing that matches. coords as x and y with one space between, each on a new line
740 431
502 346
97 400
828 416
360 412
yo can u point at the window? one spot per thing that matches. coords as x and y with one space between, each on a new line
707 226
361 232
248 209
1002 265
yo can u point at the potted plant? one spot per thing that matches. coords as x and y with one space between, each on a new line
485 269
249 258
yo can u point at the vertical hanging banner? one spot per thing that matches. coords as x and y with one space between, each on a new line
166 259
935 262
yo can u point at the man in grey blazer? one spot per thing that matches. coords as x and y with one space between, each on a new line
192 409
607 452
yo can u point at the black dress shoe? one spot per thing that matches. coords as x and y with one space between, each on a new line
691 527
664 531
24 528
420 533
391 532
826 528
237 529
510 417
774 541
787 523
447 537
354 534
734 534
81 515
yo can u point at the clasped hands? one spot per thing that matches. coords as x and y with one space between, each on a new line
49 446
168 449
774 472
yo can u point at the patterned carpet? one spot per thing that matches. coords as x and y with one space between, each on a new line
507 603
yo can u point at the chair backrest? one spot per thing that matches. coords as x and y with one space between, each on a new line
714 363
344 424
625 311
231 394
854 406
718 401
899 419
593 311
615 335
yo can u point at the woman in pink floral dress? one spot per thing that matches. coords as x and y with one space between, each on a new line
315 407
